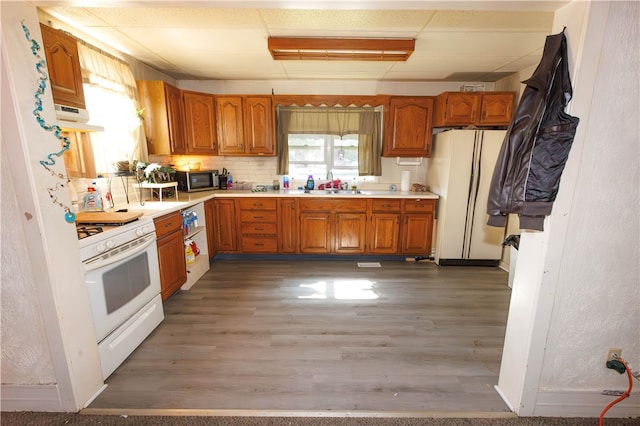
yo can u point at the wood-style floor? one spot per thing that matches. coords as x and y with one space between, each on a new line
323 335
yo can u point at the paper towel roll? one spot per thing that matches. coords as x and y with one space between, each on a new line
405 183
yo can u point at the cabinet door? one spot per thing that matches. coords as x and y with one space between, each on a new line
200 123
350 233
496 109
63 66
408 127
259 125
229 125
416 233
210 220
175 116
384 233
173 267
315 233
287 225
461 108
225 227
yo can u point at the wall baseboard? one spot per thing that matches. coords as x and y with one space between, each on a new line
584 404
30 398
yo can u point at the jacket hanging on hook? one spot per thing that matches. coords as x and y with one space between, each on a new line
536 147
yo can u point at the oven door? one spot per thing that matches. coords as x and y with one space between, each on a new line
121 282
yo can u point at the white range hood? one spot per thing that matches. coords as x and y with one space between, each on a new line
72 119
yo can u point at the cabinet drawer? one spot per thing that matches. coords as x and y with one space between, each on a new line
334 205
167 224
257 203
258 216
259 244
258 228
419 205
385 205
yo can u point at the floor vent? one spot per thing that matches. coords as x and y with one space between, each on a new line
369 265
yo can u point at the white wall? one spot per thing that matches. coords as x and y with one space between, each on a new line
55 275
577 285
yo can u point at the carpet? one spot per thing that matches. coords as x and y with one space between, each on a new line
56 419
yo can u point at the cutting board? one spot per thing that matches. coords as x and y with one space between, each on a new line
106 218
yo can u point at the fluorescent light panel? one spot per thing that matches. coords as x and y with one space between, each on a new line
340 49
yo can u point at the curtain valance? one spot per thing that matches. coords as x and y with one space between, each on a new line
325 120
106 70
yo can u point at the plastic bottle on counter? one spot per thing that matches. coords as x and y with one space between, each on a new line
285 182
310 183
229 181
92 200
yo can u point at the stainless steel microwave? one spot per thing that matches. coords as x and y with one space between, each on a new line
200 180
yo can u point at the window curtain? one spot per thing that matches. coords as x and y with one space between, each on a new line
369 144
282 140
112 102
333 121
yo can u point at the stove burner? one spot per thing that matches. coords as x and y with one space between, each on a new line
87 231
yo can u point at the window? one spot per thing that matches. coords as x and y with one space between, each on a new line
318 154
345 141
110 94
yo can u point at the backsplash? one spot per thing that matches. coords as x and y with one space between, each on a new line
253 170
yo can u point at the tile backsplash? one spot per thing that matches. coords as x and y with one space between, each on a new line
253 170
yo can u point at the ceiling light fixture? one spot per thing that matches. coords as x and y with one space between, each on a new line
340 49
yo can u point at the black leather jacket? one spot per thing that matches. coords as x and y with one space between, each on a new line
537 144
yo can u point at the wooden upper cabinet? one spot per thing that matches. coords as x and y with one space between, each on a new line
408 127
473 108
496 108
63 65
163 117
229 125
175 112
200 127
259 125
245 125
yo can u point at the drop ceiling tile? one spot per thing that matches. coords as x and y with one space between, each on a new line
479 43
79 15
370 33
201 42
159 17
521 63
381 20
462 20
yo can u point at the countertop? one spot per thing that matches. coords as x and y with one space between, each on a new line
185 200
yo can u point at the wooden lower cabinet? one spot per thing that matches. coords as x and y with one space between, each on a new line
210 219
330 225
384 228
288 225
258 225
323 225
384 233
315 232
170 242
350 233
225 226
417 226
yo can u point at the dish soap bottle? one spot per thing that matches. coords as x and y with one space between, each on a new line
92 200
229 181
310 183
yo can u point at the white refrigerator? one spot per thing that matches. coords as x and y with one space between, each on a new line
460 171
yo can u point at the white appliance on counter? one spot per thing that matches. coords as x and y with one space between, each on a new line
123 280
460 171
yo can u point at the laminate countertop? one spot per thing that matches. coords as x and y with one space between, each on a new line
186 200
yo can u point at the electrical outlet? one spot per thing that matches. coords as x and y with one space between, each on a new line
614 353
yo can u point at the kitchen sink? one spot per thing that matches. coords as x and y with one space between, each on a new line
334 192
